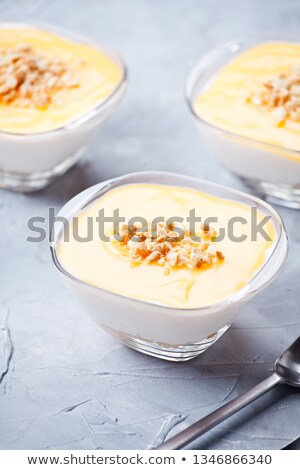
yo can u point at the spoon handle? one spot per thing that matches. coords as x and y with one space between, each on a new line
200 427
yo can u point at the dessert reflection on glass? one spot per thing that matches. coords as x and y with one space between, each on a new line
161 280
246 98
55 90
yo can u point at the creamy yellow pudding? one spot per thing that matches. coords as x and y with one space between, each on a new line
227 265
48 81
257 95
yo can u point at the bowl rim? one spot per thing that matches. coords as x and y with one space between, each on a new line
72 36
236 47
91 194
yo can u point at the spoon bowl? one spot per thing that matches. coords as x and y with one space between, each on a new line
287 365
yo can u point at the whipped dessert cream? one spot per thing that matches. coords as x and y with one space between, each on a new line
48 81
56 89
256 95
248 112
166 264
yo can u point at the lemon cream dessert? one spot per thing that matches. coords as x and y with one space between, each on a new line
172 246
48 81
257 95
56 89
248 112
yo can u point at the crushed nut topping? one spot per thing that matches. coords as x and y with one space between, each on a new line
169 246
281 96
28 77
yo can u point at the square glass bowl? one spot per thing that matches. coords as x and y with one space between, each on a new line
31 161
169 333
272 171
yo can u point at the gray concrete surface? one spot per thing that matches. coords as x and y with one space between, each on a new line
64 383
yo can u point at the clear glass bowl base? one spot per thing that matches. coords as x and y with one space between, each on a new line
276 193
170 353
25 183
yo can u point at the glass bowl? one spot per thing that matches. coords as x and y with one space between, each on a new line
31 161
175 334
272 171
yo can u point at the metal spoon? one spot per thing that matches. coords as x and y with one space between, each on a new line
286 370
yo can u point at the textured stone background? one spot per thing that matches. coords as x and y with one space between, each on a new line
64 383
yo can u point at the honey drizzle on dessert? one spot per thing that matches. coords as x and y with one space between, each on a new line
281 96
29 77
169 246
